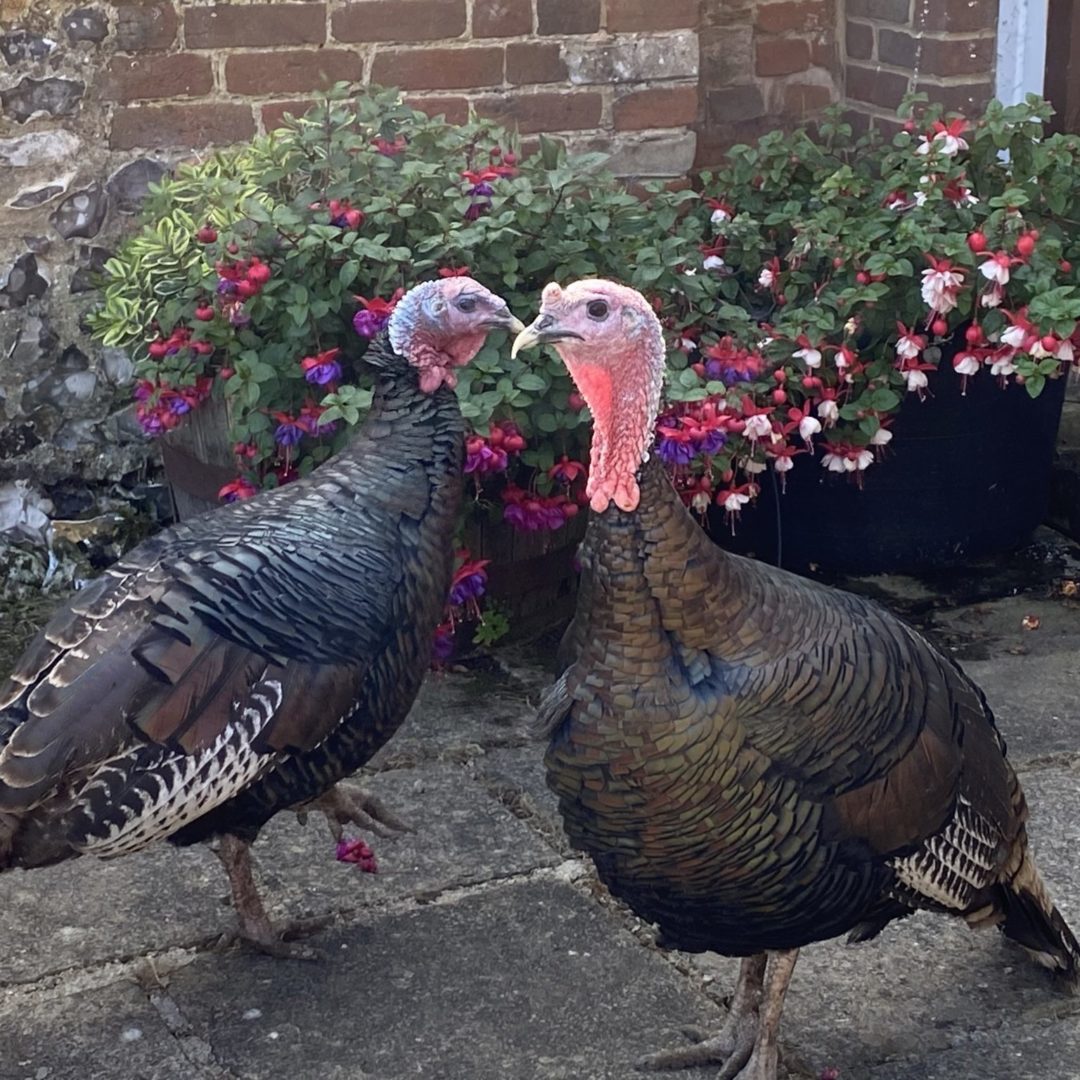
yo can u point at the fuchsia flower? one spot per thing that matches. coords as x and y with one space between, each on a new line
344 215
730 363
532 512
996 268
240 488
390 149
289 431
566 471
807 352
945 139
722 211
454 271
374 313
966 364
356 851
909 345
322 368
940 285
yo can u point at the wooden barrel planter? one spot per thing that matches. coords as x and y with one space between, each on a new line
531 575
964 477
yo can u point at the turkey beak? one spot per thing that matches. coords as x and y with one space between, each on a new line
504 319
542 331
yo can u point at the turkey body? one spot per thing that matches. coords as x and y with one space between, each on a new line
244 662
756 762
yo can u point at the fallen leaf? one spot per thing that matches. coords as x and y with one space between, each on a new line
1030 622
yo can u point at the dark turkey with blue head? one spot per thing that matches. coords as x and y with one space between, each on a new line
756 761
246 661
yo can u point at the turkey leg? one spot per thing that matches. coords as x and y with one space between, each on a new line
733 1045
345 803
255 925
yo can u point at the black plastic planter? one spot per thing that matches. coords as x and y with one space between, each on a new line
963 477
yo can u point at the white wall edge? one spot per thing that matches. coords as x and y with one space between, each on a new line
1021 49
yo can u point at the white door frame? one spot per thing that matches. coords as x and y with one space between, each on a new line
1021 49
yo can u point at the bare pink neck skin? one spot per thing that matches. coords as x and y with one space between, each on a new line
436 359
623 398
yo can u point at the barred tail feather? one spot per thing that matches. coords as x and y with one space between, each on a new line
1032 921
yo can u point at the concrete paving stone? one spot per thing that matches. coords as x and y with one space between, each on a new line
928 984
530 981
87 911
462 836
520 771
456 715
108 1033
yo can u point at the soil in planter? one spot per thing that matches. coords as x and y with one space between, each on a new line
964 477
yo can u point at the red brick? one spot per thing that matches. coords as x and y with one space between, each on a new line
896 48
860 40
534 62
966 98
568 16
455 109
501 18
134 78
882 88
802 99
781 56
146 26
972 57
399 20
632 16
897 11
823 52
733 104
791 16
959 15
659 107
189 126
290 72
273 114
438 69
546 111
228 25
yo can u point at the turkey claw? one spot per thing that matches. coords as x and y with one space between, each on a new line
345 804
279 942
730 1049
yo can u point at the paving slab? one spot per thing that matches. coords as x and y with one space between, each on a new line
88 911
529 981
101 1034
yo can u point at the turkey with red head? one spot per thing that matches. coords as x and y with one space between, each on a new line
246 661
756 761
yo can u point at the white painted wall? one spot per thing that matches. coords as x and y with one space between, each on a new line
1021 49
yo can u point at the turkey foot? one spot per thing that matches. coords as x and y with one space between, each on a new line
746 1047
345 803
255 927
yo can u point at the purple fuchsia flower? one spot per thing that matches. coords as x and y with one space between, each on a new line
444 642
674 446
240 488
374 313
322 368
311 421
290 429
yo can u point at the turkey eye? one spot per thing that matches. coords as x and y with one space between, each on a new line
597 309
467 304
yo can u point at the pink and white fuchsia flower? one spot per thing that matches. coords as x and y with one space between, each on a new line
945 138
809 354
996 268
940 284
909 345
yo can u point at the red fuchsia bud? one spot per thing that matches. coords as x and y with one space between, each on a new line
569 509
203 348
354 218
811 382
157 349
838 263
204 313
496 435
779 397
1025 245
575 402
698 370
862 277
780 375
727 476
226 373
258 272
1066 266
1021 379
232 247
877 277
1050 343
940 327
509 158
206 235
246 288
973 335
976 241
736 425
781 299
514 444
909 127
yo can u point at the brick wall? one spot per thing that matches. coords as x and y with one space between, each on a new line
764 64
943 47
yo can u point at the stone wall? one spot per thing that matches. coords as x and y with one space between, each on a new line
944 47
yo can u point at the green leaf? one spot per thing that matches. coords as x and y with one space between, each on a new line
529 381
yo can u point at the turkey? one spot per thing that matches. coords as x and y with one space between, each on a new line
247 661
753 760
